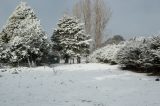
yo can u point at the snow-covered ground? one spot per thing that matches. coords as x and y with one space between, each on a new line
77 85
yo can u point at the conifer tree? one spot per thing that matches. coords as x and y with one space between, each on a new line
70 38
23 35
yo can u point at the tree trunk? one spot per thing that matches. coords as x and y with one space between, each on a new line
67 60
29 63
73 60
78 59
33 63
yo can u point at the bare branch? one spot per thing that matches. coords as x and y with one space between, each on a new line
95 14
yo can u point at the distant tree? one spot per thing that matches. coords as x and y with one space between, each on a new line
70 38
116 39
23 36
96 15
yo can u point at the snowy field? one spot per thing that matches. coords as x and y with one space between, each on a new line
77 85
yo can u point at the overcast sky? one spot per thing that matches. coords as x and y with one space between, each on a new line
129 17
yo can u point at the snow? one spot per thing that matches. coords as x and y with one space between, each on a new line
90 84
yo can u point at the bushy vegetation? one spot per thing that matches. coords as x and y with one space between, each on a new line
132 54
141 55
106 54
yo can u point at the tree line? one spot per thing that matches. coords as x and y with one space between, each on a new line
22 39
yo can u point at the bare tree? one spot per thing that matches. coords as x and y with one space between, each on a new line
101 16
82 10
77 10
95 14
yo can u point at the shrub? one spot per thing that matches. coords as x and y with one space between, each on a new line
106 54
130 55
141 55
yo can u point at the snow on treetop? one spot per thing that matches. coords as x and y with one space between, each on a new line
22 11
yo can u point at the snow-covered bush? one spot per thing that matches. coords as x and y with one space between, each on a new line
23 37
141 55
106 54
131 54
154 46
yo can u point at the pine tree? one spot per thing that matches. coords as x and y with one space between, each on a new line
70 38
24 36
